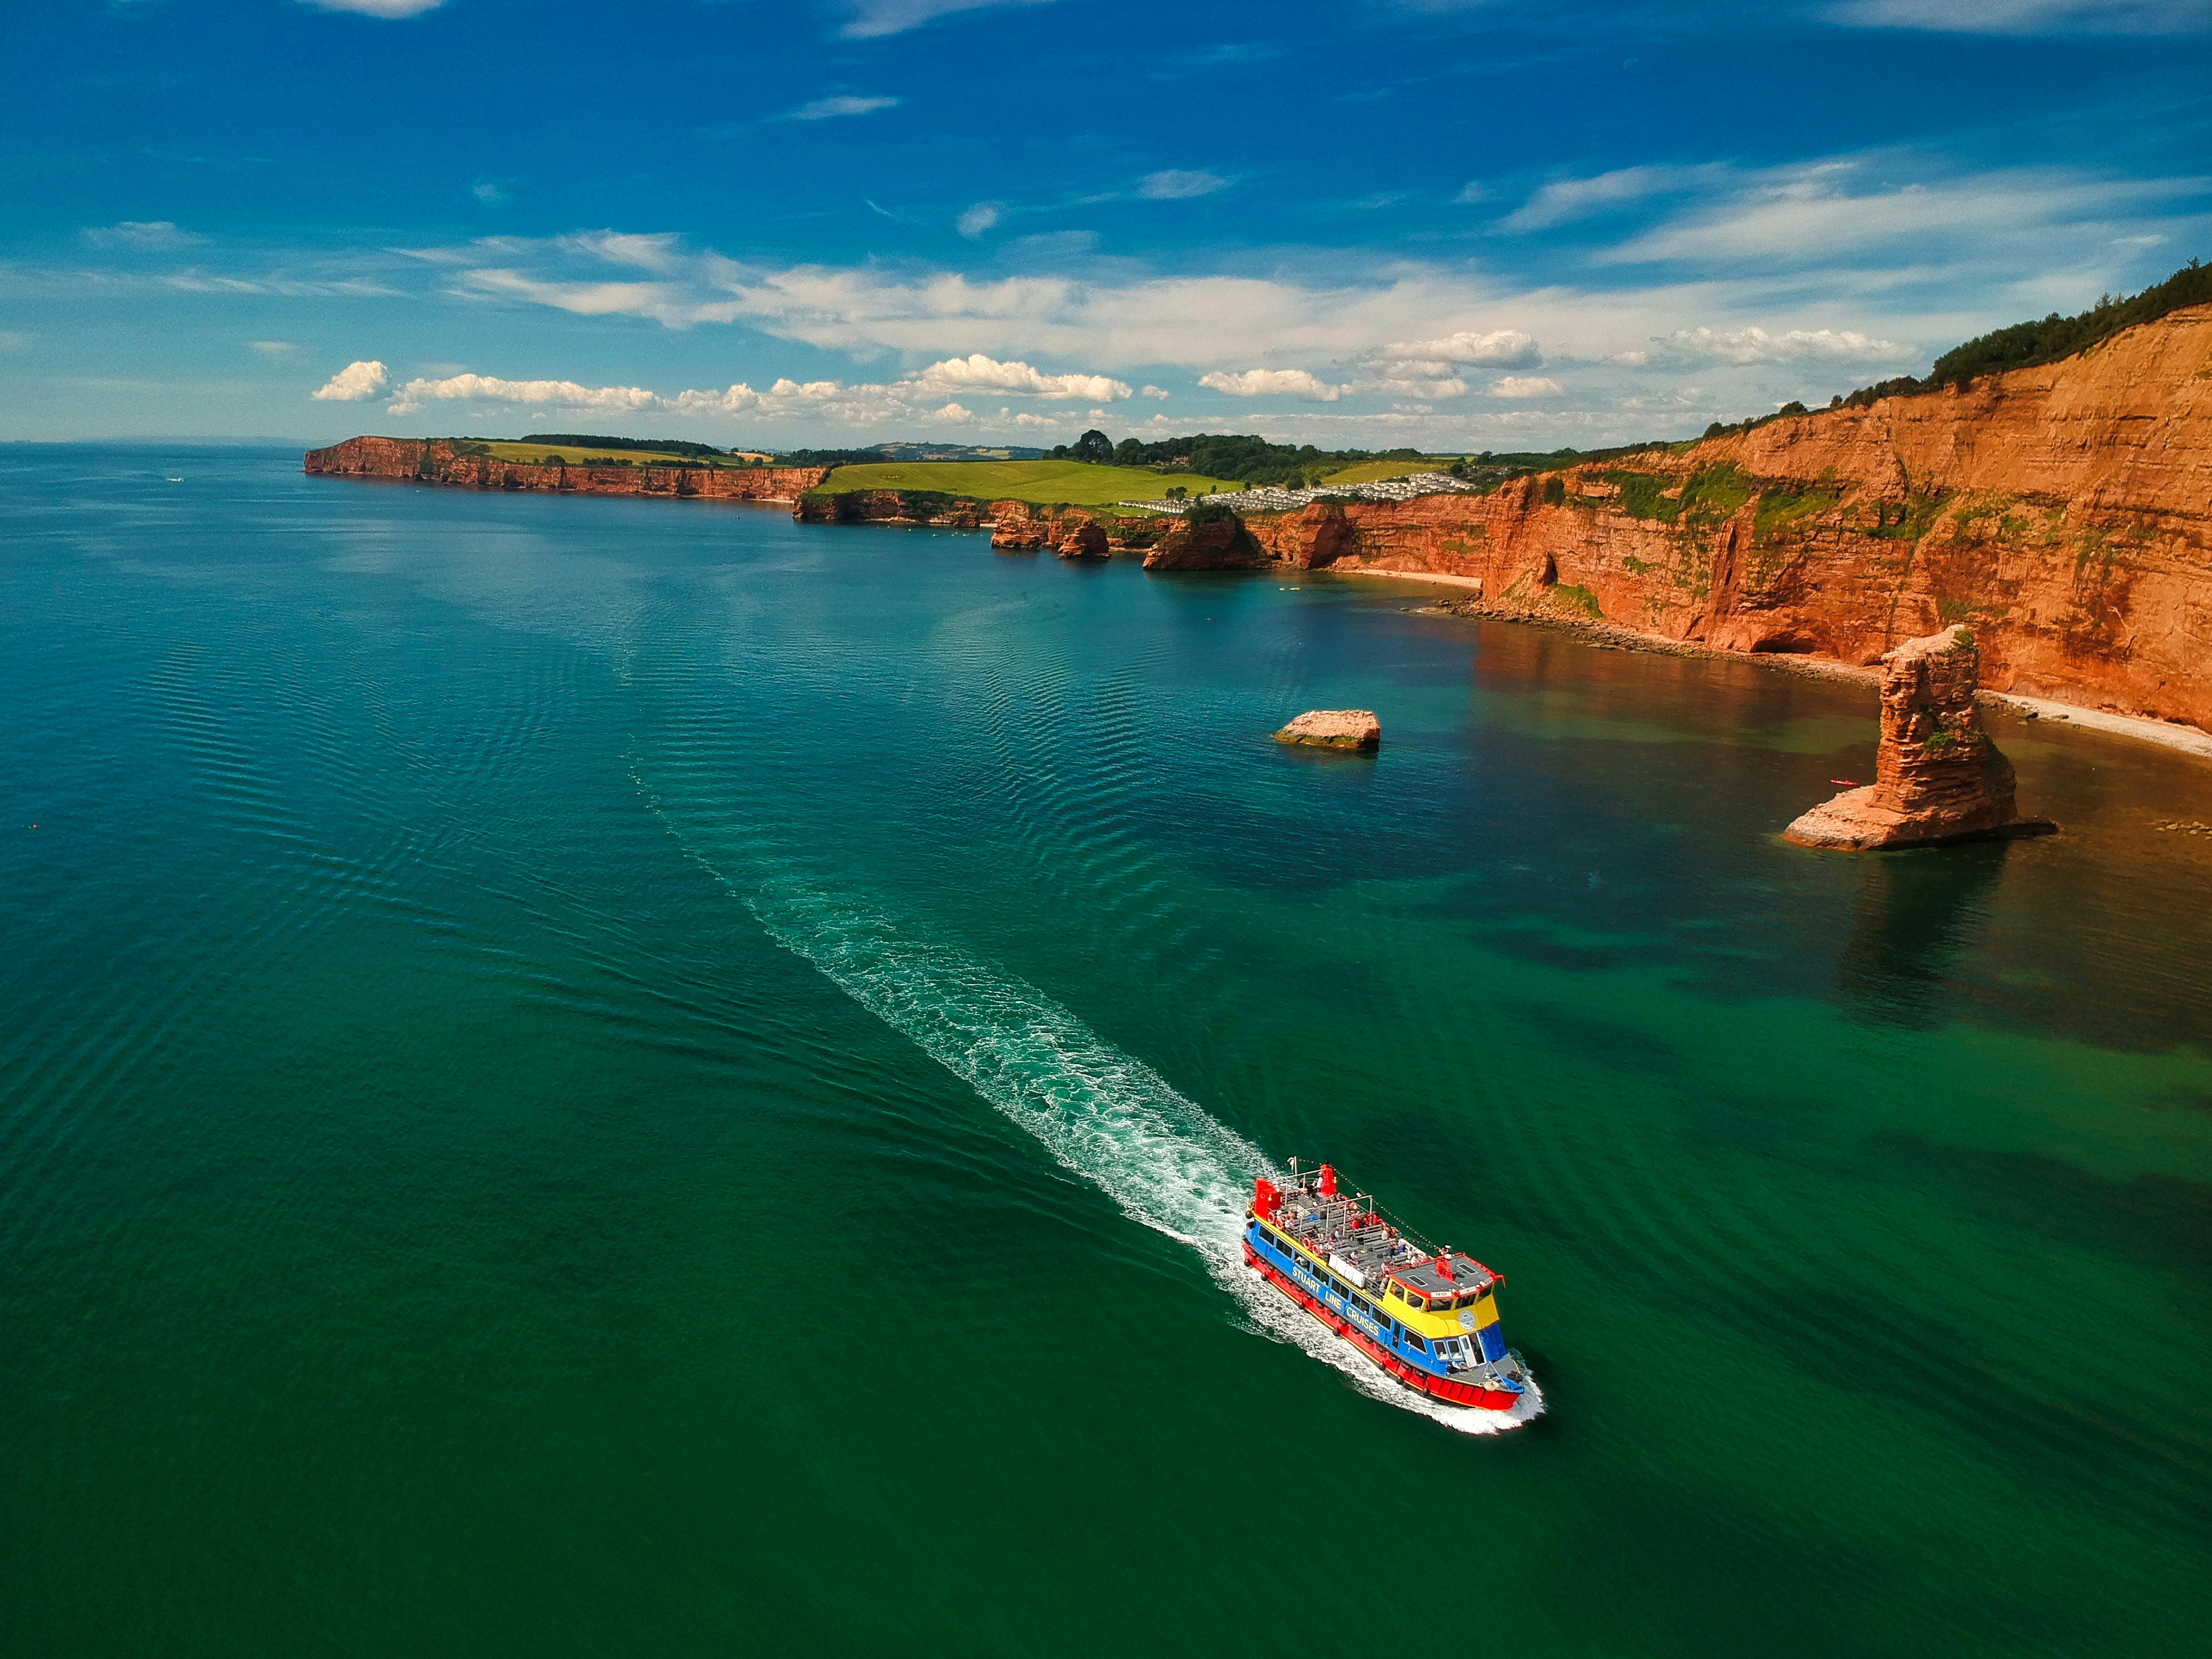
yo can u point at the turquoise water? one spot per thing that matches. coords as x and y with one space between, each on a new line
588 1077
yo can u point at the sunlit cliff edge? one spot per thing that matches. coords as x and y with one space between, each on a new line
2063 513
435 460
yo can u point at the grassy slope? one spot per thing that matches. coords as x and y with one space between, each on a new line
573 455
1076 483
1374 471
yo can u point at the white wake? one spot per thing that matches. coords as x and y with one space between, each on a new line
1102 1114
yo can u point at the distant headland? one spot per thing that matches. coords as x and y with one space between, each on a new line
2048 486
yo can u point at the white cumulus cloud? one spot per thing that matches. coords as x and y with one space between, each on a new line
354 382
1498 348
980 218
1519 387
976 373
1150 392
482 388
1260 382
1756 345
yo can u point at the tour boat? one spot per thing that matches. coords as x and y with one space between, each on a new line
1429 1318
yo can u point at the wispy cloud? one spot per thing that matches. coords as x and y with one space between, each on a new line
377 7
273 348
1835 213
829 109
148 234
2029 16
980 218
871 19
1566 200
1174 185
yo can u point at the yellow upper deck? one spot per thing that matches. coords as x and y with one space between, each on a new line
1424 1315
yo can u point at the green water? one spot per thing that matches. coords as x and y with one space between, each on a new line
597 1076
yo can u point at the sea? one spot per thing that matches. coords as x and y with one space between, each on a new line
603 1077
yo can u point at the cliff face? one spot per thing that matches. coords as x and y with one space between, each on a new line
432 461
2063 513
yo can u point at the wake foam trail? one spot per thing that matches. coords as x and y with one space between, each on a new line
1103 1114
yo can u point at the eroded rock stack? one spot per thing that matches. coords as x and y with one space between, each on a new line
1083 540
1937 776
1332 728
1213 543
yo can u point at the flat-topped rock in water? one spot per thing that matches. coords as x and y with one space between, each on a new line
1937 776
1334 728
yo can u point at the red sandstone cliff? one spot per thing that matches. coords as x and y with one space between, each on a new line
433 460
2063 513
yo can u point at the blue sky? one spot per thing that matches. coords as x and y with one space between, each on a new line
1363 225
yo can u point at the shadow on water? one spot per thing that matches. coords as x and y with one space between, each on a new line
1915 913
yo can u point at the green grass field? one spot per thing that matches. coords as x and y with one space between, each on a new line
575 456
1376 471
1077 483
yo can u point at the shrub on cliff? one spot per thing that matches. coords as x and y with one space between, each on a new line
1209 513
2025 345
2031 344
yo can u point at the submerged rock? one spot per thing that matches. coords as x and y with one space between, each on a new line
1334 728
1937 776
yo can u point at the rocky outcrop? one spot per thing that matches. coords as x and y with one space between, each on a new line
435 460
1020 526
1937 776
1332 728
1222 543
1085 540
2063 513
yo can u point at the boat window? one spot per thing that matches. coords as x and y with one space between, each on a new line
1415 1343
1361 1302
1416 1301
1467 1298
1397 1290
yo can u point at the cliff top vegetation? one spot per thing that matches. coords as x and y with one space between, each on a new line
543 449
1044 483
588 441
2052 339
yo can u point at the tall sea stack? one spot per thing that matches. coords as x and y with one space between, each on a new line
1937 776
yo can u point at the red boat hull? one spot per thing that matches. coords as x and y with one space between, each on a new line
1420 1381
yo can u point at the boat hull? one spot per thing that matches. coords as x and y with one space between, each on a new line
1420 1381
